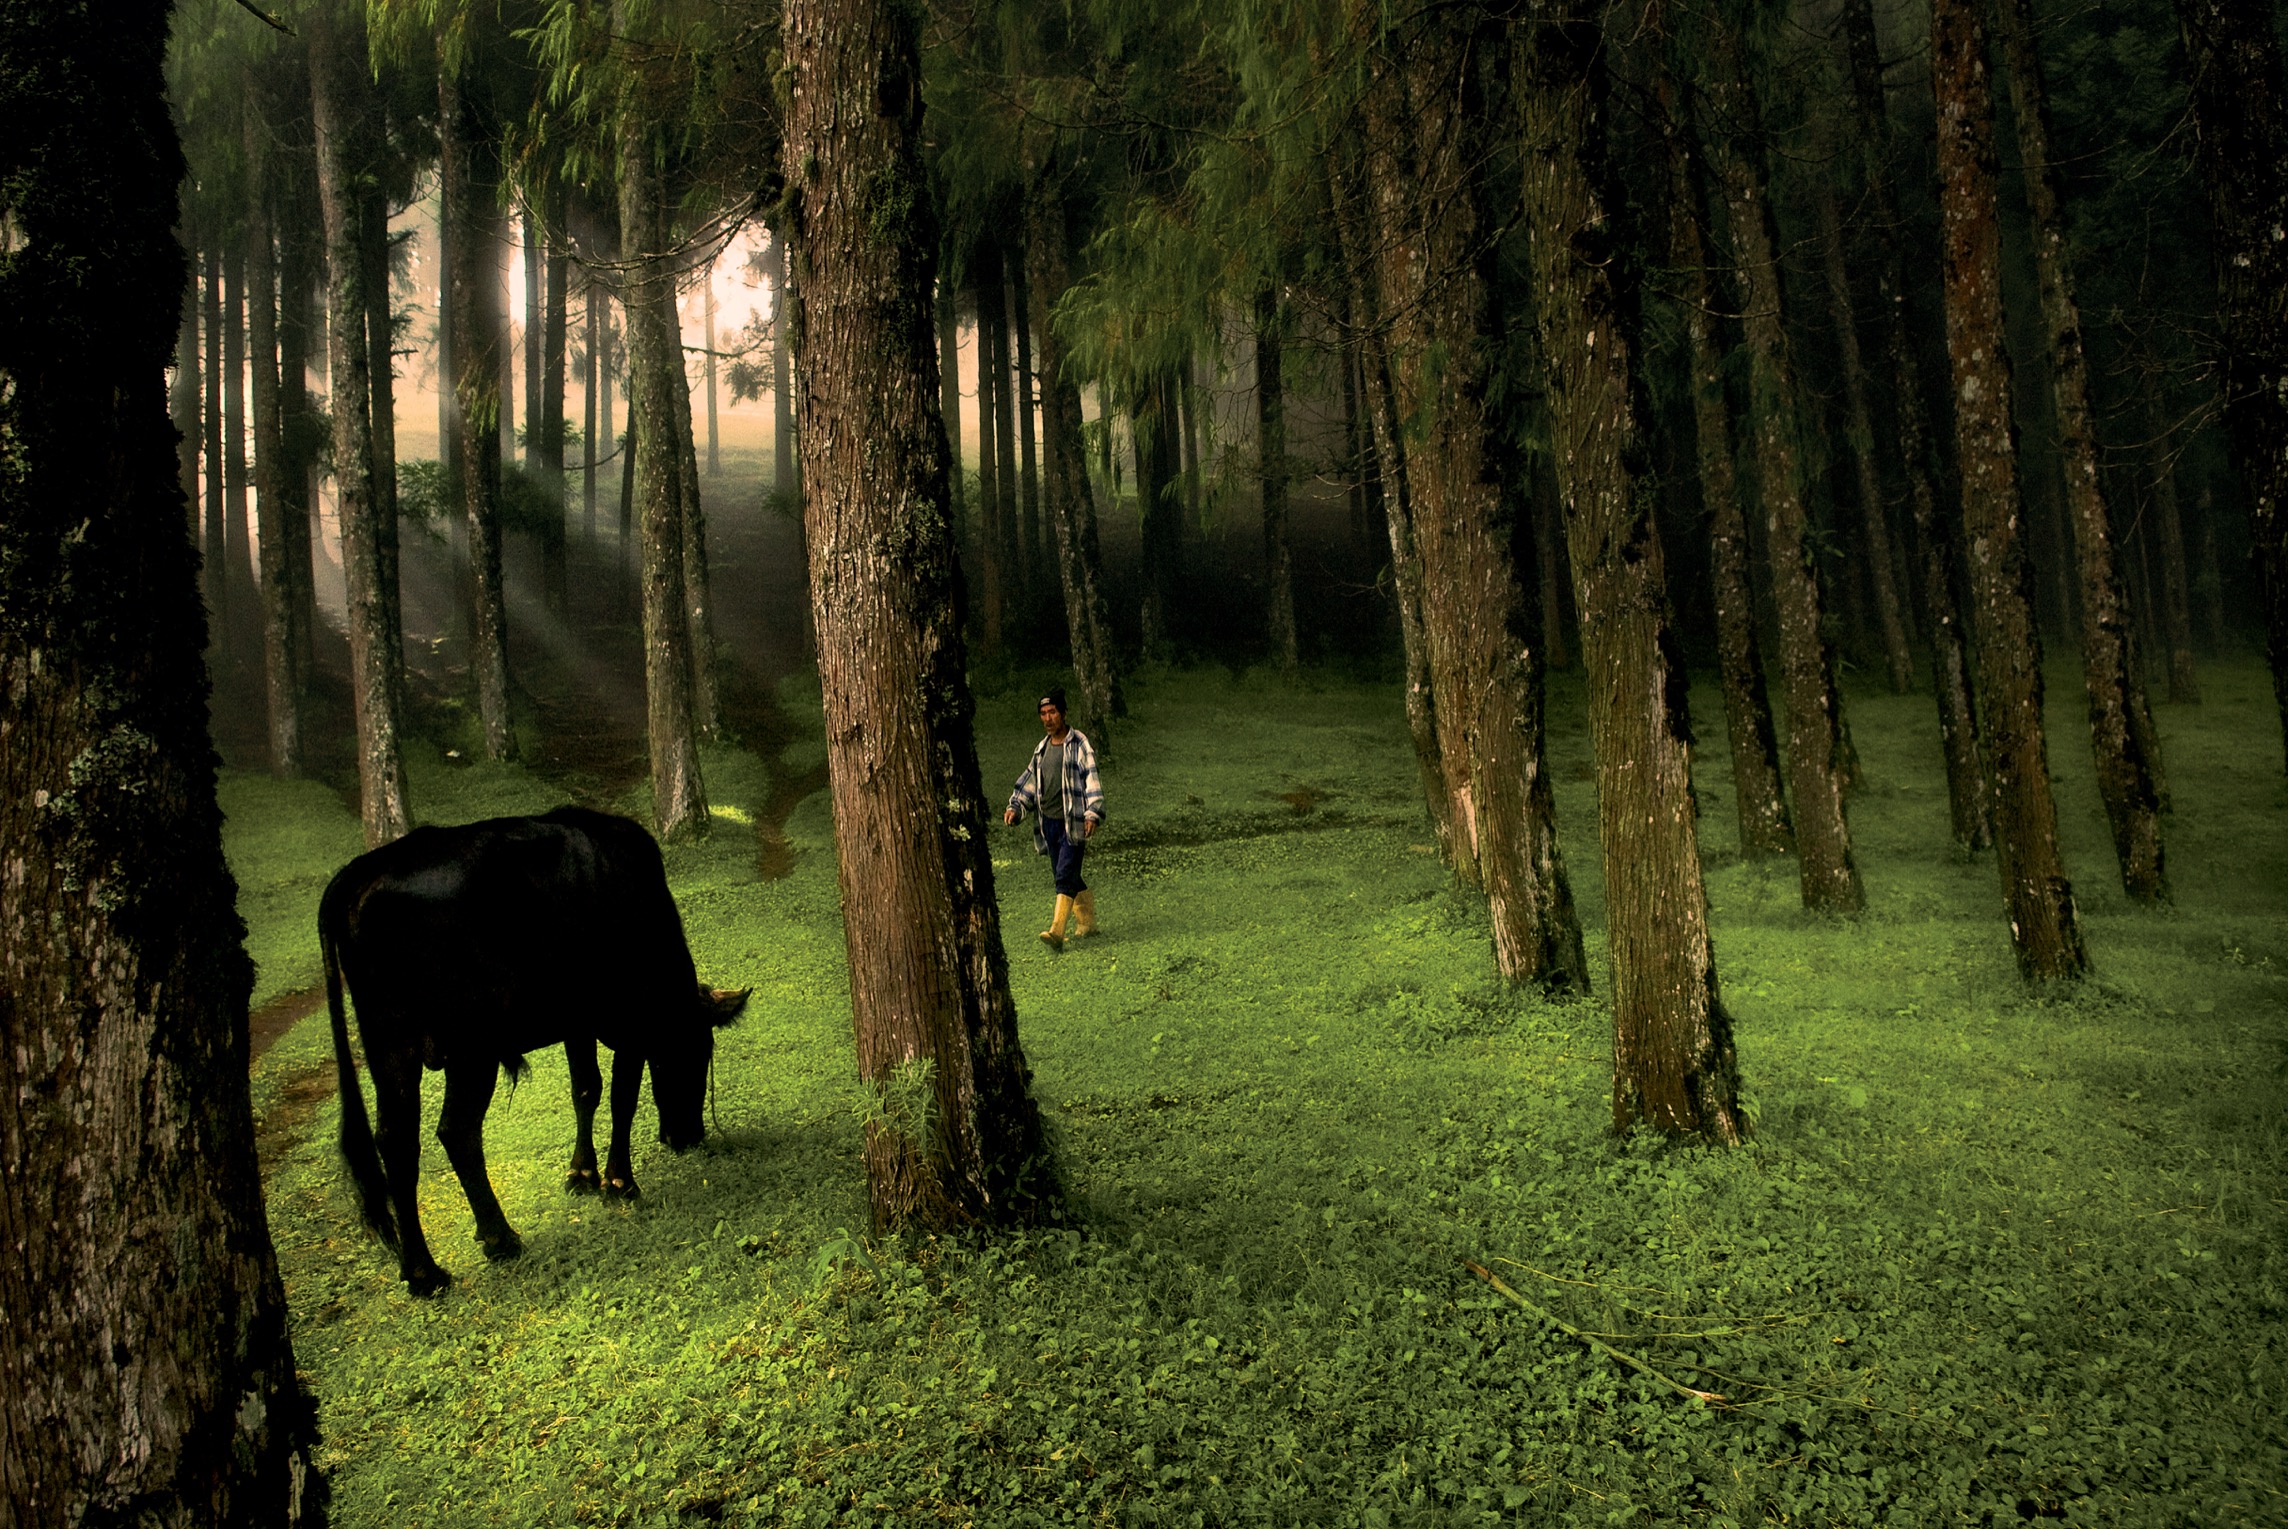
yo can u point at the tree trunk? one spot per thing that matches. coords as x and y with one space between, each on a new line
1357 240
714 448
2238 113
953 1137
1425 160
184 395
283 702
706 711
949 390
238 548
1186 409
2169 531
1010 545
1071 505
337 86
1549 558
592 419
783 457
994 572
1159 513
1816 747
535 320
301 251
373 249
146 1368
1859 424
479 347
555 322
1271 450
2043 924
1756 791
1028 470
2128 777
655 393
214 561
1674 1067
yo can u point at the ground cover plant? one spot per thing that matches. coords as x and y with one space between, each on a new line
1990 1256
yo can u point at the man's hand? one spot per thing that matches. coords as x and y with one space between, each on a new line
1088 828
1008 814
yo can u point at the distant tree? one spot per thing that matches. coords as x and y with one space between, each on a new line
1816 748
2241 117
954 1138
338 77
149 1369
2122 741
2043 925
1674 1067
2169 535
1271 441
281 689
1967 795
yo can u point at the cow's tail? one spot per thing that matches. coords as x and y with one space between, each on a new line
358 1151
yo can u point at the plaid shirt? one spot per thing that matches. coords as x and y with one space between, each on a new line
1081 784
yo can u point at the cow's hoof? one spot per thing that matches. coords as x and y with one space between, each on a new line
617 1188
504 1247
583 1181
428 1282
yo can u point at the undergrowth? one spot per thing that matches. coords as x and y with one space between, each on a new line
1990 1257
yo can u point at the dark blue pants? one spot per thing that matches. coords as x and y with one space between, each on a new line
1064 857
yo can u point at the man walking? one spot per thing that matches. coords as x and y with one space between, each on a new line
1060 786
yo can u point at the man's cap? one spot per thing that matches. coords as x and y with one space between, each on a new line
1055 697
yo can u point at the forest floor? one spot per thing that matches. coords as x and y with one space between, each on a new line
1991 1256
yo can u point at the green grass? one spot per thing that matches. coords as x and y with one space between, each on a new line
1990 1255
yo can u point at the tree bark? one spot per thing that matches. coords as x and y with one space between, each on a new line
784 461
146 1369
1271 452
214 561
1859 423
994 513
2120 734
480 355
1756 790
1011 546
238 550
1816 741
1358 239
592 418
535 320
953 1137
2169 533
337 81
184 395
1028 468
2242 123
1071 506
1425 159
381 331
555 323
1159 512
280 691
714 448
949 389
300 253
706 711
1674 1067
655 392
2043 925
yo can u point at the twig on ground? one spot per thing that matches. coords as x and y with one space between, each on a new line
1600 1345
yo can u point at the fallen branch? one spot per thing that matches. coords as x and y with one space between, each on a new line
1600 1345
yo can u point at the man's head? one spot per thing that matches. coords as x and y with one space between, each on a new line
1052 711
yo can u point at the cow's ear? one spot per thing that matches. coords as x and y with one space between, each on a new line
726 1004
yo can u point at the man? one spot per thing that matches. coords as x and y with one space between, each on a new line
1060 785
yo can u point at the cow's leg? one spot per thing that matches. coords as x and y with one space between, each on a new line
397 1104
627 1088
587 1093
468 1092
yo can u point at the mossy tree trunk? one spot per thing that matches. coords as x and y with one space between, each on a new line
1355 232
2120 730
1817 746
1756 788
956 1140
281 691
655 395
478 345
1425 113
146 1371
2043 925
1674 1067
337 87
1069 501
2241 118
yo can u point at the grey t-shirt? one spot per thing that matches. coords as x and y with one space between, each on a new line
1053 780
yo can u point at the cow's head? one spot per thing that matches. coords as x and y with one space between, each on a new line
679 1064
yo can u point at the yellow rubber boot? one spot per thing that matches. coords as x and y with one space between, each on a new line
1084 915
1054 935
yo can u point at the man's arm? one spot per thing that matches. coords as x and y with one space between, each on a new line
1091 788
1028 790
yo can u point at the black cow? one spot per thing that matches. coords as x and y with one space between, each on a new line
465 948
